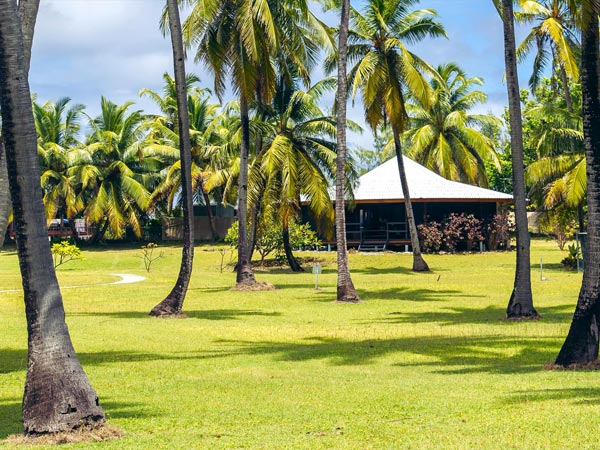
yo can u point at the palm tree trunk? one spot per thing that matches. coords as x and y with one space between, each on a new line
581 344
173 303
4 196
211 218
566 88
345 288
245 275
419 264
520 304
58 395
28 14
289 255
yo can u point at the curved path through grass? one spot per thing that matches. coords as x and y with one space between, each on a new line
126 278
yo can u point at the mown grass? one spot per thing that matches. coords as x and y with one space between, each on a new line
426 361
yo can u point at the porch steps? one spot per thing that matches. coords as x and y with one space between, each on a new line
372 247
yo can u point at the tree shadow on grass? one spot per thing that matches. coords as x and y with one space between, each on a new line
461 316
10 418
411 295
452 354
214 314
15 360
580 396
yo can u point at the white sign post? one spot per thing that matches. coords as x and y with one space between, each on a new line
316 269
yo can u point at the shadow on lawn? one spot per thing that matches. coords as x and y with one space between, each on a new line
410 295
461 316
582 396
215 314
453 355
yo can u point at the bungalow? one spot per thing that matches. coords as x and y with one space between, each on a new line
378 215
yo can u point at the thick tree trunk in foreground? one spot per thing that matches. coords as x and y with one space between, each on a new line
28 14
581 344
4 195
245 275
520 304
173 303
345 288
289 255
58 396
419 264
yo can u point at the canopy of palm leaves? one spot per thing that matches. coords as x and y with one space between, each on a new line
444 137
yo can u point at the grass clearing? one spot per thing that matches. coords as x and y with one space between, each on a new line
426 361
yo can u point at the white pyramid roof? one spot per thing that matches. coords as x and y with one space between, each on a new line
382 184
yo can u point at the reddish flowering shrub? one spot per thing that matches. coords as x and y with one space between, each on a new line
431 237
497 232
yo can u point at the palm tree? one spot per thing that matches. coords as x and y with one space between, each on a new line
385 70
581 345
245 40
444 137
520 304
297 162
57 127
58 395
164 142
27 10
555 39
236 38
172 304
113 177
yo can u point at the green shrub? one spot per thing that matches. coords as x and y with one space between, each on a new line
63 252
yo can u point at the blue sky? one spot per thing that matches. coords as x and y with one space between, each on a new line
88 48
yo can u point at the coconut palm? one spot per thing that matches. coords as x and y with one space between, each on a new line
444 137
57 126
554 38
581 345
58 395
520 304
385 72
172 304
113 177
243 40
164 142
297 161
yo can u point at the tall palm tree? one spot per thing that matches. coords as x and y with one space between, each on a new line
27 10
520 304
237 38
172 304
386 71
444 136
113 177
57 127
554 37
58 395
581 345
164 142
298 160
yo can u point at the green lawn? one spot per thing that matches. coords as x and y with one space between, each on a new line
425 362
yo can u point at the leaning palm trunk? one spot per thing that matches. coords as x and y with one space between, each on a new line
520 304
58 396
287 247
245 275
211 218
566 88
419 264
345 288
581 344
173 303
4 196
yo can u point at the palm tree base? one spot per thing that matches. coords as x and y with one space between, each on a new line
419 264
166 309
347 294
521 309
